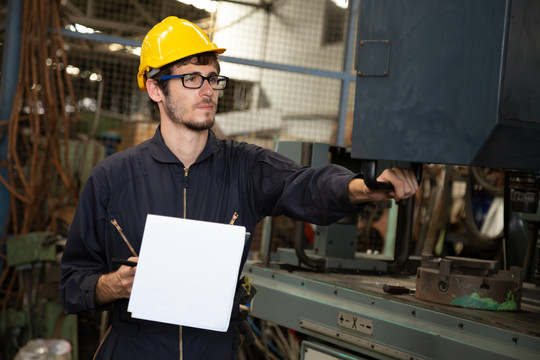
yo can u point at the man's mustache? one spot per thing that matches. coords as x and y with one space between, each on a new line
206 102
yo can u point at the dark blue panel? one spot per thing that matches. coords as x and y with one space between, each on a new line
440 101
521 96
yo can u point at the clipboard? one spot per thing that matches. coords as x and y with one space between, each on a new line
187 272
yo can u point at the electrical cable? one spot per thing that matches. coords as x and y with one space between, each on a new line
258 332
469 216
318 264
495 190
38 132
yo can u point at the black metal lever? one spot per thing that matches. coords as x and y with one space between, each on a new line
369 174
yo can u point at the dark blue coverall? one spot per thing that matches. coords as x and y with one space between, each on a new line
227 177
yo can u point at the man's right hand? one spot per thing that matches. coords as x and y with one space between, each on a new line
115 285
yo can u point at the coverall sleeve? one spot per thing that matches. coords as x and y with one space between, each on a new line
84 257
317 195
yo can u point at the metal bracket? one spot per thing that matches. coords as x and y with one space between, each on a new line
373 58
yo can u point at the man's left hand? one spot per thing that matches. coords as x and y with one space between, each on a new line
403 181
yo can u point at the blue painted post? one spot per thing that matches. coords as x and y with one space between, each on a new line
354 6
8 85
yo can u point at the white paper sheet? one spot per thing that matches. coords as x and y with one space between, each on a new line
187 272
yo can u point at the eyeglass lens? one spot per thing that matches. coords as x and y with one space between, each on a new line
195 81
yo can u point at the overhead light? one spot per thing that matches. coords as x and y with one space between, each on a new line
341 3
207 5
95 77
134 50
82 29
115 47
72 70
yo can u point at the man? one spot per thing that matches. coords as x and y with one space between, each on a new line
185 171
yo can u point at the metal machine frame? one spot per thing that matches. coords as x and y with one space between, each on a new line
352 312
443 83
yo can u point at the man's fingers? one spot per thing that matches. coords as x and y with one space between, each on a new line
408 178
403 181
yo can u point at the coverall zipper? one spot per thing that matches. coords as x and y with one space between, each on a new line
186 171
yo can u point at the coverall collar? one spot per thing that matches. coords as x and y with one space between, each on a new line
160 152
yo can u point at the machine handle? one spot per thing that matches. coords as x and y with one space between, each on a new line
397 289
369 174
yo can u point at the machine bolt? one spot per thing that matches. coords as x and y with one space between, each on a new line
443 286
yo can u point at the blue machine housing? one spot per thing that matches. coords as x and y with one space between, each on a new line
449 82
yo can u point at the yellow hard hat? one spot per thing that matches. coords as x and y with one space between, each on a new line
170 40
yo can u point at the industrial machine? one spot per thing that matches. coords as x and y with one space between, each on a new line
439 82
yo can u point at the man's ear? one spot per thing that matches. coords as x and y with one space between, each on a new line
153 90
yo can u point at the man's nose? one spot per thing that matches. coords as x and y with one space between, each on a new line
206 88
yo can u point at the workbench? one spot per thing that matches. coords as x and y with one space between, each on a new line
351 312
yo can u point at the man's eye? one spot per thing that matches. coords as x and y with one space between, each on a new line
191 78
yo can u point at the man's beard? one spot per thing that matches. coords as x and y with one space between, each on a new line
175 113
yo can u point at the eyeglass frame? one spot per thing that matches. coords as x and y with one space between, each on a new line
207 78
